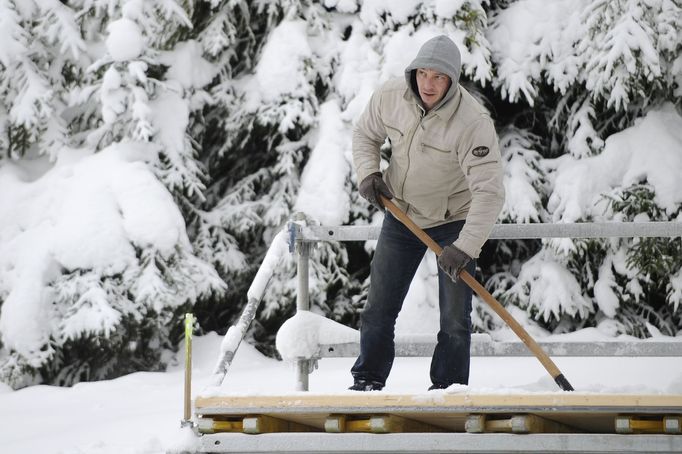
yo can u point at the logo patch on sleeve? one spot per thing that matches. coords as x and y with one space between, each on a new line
479 152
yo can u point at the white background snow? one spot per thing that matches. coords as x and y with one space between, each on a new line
58 204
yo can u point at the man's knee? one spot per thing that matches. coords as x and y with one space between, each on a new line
378 317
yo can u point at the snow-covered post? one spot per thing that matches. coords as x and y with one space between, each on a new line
236 333
302 303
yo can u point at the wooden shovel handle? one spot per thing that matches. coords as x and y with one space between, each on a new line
533 346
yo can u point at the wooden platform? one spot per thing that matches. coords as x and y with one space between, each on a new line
438 411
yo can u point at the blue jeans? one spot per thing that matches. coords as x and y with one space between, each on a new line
396 259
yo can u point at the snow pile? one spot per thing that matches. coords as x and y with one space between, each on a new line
282 57
532 39
301 335
553 289
125 41
323 195
523 202
357 75
187 65
282 72
90 212
645 152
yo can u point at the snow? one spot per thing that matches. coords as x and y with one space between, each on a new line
448 8
646 151
420 313
603 289
170 117
358 73
87 211
343 6
74 210
112 96
675 289
553 289
322 195
140 413
94 318
278 248
531 36
282 57
125 41
399 11
522 201
300 336
187 66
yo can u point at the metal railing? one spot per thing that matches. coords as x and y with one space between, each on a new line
302 236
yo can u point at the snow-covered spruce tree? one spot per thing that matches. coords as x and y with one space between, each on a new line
647 283
526 189
588 70
28 88
275 67
96 106
284 118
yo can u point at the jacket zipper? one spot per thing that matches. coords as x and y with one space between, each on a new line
409 147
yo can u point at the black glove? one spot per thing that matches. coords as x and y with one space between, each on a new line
373 186
453 261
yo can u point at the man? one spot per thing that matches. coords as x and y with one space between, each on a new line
445 172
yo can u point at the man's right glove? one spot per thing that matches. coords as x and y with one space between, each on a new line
453 261
373 186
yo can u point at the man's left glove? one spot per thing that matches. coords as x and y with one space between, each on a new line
372 187
453 261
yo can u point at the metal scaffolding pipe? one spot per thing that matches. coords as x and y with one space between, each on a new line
515 231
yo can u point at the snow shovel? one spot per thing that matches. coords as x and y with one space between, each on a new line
487 297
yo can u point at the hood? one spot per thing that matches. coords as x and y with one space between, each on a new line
441 54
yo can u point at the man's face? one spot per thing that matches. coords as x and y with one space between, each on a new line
432 86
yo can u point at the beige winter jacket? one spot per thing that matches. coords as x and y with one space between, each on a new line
445 165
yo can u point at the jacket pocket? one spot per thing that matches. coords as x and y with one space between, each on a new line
432 208
395 135
438 157
438 148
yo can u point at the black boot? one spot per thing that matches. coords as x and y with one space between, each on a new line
437 386
366 385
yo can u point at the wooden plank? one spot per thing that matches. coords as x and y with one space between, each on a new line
374 402
594 413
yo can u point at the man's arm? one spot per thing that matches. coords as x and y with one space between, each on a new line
479 157
368 136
